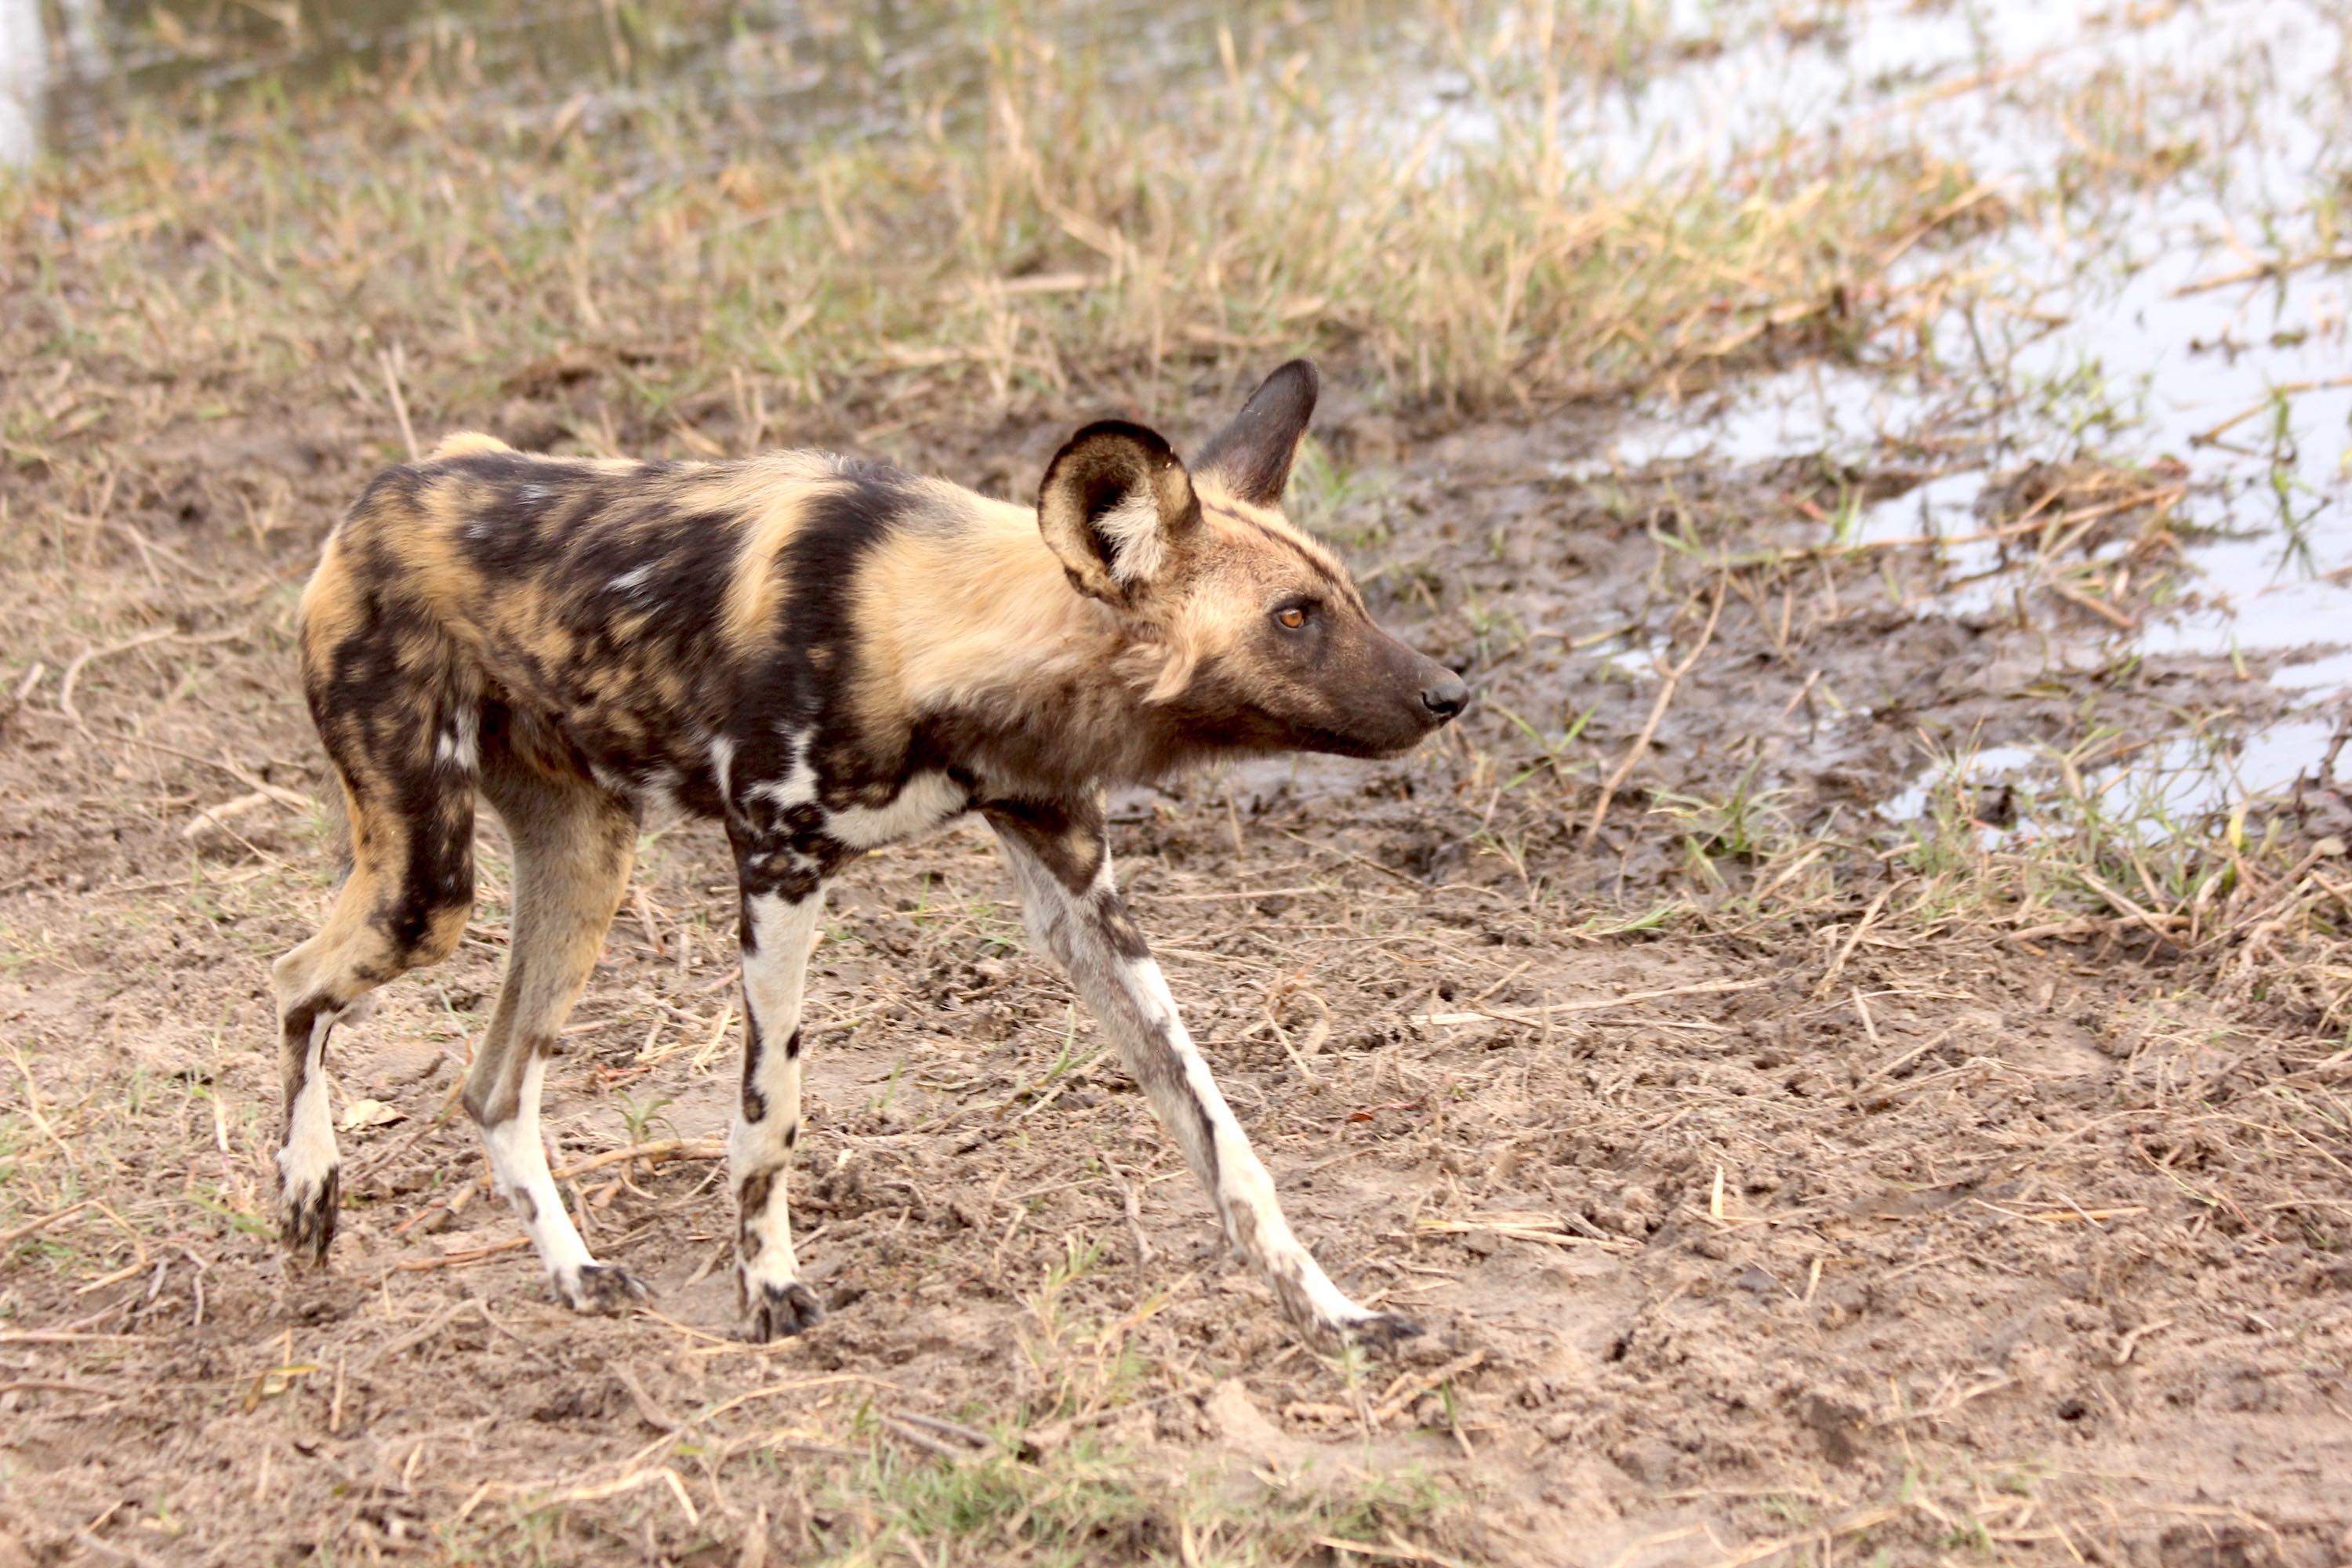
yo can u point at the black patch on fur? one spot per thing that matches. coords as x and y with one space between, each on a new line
1066 835
1119 927
755 1104
778 1312
608 1288
789 866
294 1030
1160 1070
308 1230
814 660
387 691
750 1201
803 680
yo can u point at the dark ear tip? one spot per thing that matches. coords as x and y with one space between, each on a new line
1116 432
1254 453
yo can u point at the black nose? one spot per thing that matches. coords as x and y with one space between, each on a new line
1447 698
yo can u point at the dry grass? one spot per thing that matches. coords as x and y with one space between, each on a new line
1043 239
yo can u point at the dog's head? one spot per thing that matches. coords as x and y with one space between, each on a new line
1265 644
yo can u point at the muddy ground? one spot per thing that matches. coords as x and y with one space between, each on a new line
1760 1193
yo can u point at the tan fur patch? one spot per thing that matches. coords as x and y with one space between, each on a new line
465 444
942 649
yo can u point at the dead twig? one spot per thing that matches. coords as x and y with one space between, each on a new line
941 1424
1850 1525
1854 938
2119 619
2159 926
900 1428
91 656
34 1227
2262 270
417 1336
459 1259
55 1386
2207 436
1587 1004
390 359
216 816
1641 746
1410 1386
1395 1549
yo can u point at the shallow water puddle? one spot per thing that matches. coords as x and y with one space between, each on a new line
2148 794
2185 304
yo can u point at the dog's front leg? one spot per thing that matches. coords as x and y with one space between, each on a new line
1062 858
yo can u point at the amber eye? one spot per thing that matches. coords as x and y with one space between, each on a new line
1290 617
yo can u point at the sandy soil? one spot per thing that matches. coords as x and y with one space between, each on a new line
1808 1229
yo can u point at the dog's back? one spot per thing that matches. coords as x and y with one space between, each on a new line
619 602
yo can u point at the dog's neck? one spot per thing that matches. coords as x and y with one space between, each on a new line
1007 668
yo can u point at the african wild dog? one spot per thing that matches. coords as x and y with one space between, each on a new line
826 655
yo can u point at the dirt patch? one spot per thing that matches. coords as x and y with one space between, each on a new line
1832 1223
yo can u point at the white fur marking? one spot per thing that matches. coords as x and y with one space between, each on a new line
460 743
775 970
518 1165
309 1150
798 786
722 762
777 964
661 790
1137 546
924 801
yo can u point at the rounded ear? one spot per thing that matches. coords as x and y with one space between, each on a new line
1253 454
1115 503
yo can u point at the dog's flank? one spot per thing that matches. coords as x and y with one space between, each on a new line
827 657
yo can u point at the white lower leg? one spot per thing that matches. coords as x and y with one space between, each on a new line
309 1156
1245 1192
767 1125
764 1241
519 1167
1089 929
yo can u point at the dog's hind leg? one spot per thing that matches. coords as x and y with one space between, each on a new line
399 724
575 843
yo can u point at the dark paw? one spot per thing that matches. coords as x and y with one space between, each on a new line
308 1226
778 1311
1379 1333
603 1287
